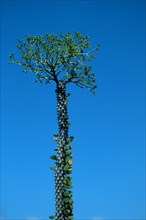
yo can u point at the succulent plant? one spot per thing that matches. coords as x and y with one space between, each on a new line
62 59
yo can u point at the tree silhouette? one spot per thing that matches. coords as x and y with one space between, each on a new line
62 59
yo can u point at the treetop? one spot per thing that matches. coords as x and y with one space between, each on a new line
58 58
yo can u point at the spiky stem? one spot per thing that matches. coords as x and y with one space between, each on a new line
63 182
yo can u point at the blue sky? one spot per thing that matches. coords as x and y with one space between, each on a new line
109 145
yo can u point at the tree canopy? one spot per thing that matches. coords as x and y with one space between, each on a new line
64 57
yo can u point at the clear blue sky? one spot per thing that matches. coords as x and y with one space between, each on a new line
109 159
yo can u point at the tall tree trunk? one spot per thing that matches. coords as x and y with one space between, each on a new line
63 181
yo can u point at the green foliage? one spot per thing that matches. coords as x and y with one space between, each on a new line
66 200
70 139
70 218
52 217
68 181
52 168
66 167
68 147
65 116
55 139
50 55
67 159
53 157
68 94
56 134
68 125
69 171
67 186
66 194
68 153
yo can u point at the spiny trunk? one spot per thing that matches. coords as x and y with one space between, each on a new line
63 182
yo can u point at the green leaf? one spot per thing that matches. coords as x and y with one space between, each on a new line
69 171
66 167
68 153
52 217
56 134
68 94
68 125
52 168
53 157
67 159
68 147
70 218
66 200
65 116
11 55
70 139
66 194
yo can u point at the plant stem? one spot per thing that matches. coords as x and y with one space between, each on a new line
62 180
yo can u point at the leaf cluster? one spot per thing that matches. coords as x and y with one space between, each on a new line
64 57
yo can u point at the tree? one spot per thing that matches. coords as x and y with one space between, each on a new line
62 59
